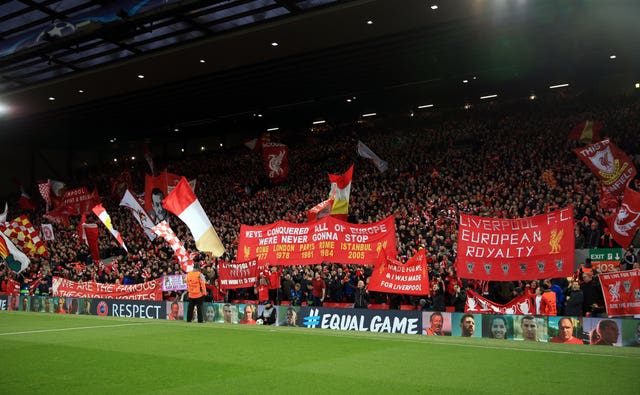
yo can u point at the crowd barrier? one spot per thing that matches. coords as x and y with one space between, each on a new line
583 330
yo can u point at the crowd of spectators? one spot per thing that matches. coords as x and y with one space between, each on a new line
507 161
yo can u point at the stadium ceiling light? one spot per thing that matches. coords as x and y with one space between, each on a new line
51 98
434 7
558 86
202 61
612 57
176 130
202 148
220 144
488 97
319 122
425 106
141 76
274 44
348 100
369 22
133 158
369 114
465 81
637 85
80 91
532 96
272 129
4 109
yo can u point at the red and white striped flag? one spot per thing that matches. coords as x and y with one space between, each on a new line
106 220
183 203
45 192
321 210
164 230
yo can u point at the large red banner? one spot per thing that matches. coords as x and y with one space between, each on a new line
625 221
609 163
150 290
410 278
238 274
326 240
528 248
522 305
621 292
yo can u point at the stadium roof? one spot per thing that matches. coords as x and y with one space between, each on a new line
70 70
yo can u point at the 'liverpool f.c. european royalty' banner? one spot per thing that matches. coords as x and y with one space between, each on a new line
528 248
328 239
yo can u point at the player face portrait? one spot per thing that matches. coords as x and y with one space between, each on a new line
499 328
291 317
227 313
210 313
468 326
529 329
156 203
565 329
436 322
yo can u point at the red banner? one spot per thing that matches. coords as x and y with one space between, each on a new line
625 221
529 248
276 161
522 305
410 278
75 202
238 275
150 290
609 163
621 292
328 239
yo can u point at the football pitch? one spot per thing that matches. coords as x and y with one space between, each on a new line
74 354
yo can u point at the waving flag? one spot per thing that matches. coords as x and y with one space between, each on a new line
410 278
15 259
275 159
587 132
3 215
25 237
625 221
366 152
609 163
45 192
340 191
164 230
320 211
183 203
139 214
106 220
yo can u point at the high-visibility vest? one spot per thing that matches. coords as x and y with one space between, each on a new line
195 284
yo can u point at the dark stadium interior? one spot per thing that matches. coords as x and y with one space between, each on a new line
408 56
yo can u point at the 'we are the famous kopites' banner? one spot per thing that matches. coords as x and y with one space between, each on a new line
150 290
528 248
328 239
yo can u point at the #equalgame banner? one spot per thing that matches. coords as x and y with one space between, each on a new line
528 248
621 292
328 239
362 320
150 290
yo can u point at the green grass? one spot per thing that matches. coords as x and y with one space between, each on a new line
51 354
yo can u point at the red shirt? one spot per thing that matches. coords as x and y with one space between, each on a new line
318 286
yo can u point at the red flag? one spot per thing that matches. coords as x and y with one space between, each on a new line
587 132
45 192
625 221
320 211
499 249
410 278
609 163
276 161
621 292
607 201
25 201
155 190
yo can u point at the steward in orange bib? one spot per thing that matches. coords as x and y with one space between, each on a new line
197 290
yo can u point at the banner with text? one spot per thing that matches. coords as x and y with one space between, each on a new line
621 292
150 290
609 163
238 274
328 239
528 248
410 278
155 310
176 282
476 303
363 320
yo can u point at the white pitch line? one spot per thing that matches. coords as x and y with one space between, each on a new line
69 329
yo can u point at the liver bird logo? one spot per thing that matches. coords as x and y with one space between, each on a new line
554 241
